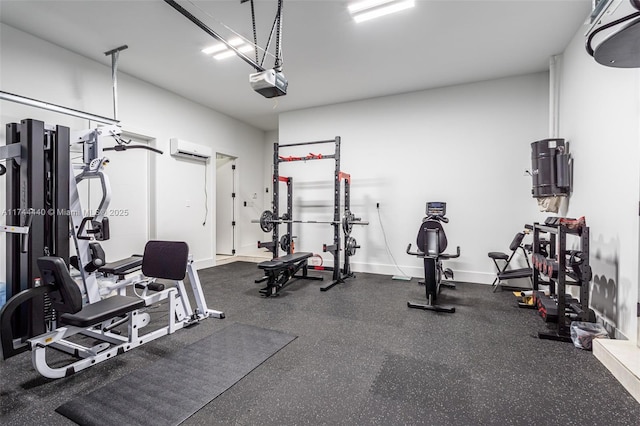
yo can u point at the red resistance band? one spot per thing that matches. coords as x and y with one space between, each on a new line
345 176
289 158
283 179
311 156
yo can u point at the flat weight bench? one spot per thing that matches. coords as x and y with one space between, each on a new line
281 270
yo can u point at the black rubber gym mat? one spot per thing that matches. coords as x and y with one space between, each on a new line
174 388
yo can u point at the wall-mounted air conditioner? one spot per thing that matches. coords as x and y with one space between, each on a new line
185 149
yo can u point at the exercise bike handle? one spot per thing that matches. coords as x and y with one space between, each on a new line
437 218
414 253
451 256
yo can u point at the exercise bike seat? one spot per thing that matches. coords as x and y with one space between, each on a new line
423 241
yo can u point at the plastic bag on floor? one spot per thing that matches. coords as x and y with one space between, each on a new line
582 333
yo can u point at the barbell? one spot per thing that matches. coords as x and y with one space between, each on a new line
267 220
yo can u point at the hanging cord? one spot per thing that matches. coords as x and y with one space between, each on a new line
206 197
386 244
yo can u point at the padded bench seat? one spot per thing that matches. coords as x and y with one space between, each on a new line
286 260
122 266
515 273
103 310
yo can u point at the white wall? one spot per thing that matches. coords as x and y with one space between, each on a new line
600 115
468 145
35 68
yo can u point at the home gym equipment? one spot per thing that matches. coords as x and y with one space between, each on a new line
167 260
432 242
503 273
45 303
550 168
280 270
557 266
268 220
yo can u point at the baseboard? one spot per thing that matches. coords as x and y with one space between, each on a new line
622 359
418 272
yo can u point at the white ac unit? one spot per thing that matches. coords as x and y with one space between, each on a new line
185 149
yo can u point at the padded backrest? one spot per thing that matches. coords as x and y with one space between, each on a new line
67 298
431 233
517 240
165 260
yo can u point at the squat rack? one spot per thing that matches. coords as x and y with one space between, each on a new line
347 221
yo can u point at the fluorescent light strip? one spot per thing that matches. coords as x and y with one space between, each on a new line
366 4
229 53
384 10
236 41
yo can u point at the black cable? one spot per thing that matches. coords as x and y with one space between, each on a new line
606 26
124 148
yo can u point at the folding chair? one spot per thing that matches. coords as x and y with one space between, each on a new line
503 273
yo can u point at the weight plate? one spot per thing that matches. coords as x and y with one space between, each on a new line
350 246
266 221
285 242
347 222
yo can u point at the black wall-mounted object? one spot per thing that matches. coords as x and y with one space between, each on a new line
550 168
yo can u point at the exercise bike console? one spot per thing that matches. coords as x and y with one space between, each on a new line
432 242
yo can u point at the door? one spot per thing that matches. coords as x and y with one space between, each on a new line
225 204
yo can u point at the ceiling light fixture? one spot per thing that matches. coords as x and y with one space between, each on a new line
228 53
370 9
221 47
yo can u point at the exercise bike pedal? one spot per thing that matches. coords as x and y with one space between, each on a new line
448 273
448 284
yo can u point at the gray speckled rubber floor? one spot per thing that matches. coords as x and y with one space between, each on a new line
363 358
176 386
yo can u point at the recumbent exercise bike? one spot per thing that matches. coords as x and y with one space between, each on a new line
432 242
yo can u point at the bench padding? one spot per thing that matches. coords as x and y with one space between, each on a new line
122 266
103 310
284 261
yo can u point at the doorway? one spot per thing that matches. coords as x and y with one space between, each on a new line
225 204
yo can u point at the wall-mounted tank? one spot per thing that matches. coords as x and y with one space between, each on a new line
550 168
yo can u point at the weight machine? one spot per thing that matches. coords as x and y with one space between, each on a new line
46 304
280 270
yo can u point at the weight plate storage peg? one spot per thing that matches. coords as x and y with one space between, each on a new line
266 221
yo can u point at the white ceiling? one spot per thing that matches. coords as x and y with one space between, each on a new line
328 58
